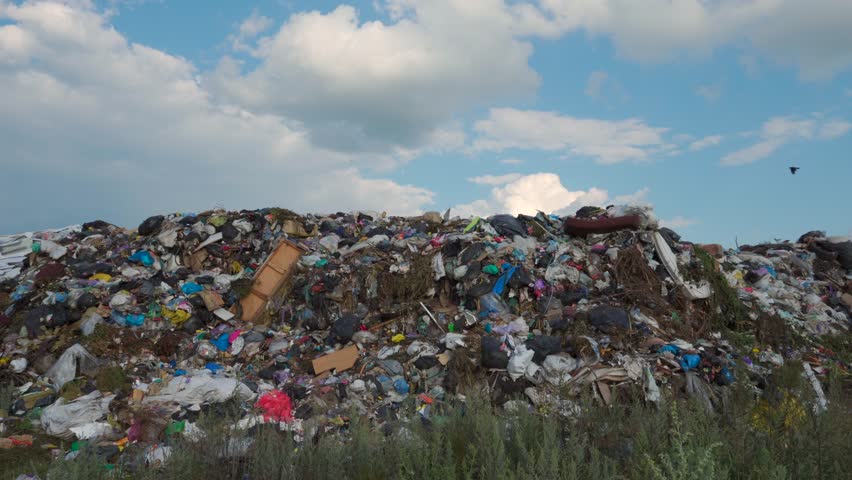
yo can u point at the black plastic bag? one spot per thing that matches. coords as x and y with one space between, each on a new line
543 346
344 327
609 319
151 225
492 357
507 225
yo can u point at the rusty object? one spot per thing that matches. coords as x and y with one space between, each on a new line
582 228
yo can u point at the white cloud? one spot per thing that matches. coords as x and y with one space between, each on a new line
249 29
121 130
495 179
374 86
709 141
595 83
640 197
778 131
834 129
753 153
545 192
607 142
511 161
678 222
812 35
711 93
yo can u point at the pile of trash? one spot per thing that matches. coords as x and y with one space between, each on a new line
119 339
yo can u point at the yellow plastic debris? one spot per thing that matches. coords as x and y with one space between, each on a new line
398 338
177 317
101 277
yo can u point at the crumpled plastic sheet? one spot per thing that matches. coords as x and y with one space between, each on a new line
91 430
59 418
200 389
557 368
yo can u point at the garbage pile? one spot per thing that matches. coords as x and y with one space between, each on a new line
118 339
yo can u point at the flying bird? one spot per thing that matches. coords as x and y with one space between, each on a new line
793 170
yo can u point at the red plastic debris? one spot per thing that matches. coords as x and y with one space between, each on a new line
276 406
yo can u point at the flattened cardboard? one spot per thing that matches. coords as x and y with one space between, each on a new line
212 300
340 360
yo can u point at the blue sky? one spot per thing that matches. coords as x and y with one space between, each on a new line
122 109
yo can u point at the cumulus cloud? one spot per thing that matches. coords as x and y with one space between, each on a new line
495 179
544 192
99 126
605 141
709 141
372 86
814 35
640 198
249 29
678 222
779 131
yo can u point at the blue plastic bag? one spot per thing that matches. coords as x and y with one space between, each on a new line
401 386
189 288
213 367
501 283
142 256
690 361
222 342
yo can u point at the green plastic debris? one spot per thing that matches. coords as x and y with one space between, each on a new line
491 269
175 427
217 220
471 225
35 413
154 310
36 247
79 445
321 262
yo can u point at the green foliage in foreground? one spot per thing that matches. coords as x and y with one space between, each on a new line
747 438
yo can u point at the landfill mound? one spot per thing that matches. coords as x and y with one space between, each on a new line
115 337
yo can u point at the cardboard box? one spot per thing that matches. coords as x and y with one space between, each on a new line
270 277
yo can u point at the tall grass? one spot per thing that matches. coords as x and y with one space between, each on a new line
679 440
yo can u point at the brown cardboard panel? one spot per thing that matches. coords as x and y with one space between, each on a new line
340 360
269 278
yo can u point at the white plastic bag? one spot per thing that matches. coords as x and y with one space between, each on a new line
330 242
438 266
65 369
519 362
90 320
558 273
